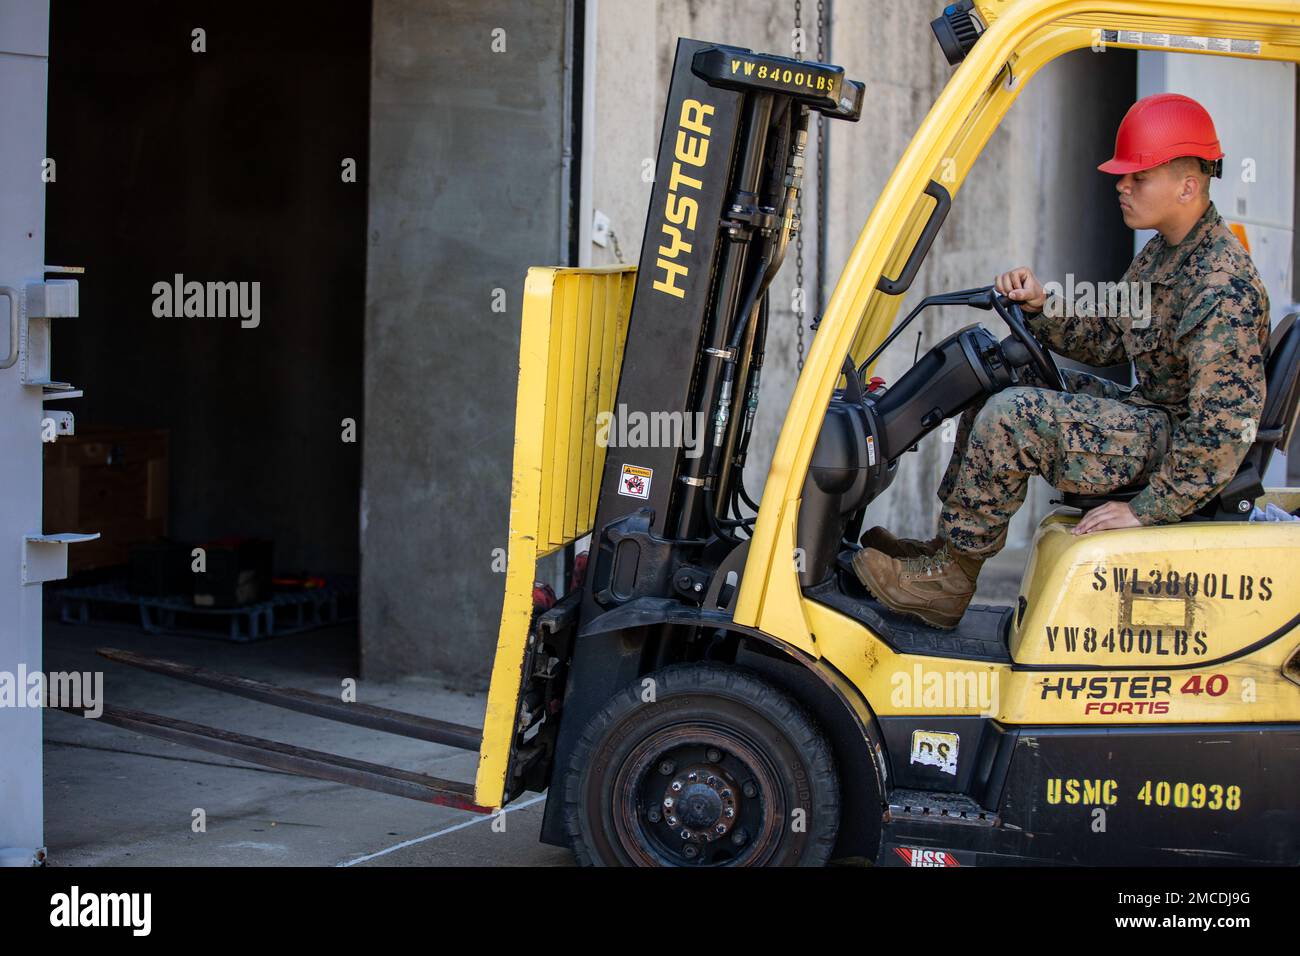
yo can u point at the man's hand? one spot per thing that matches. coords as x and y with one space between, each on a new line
1021 285
1113 514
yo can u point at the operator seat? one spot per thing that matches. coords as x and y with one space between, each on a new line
1234 502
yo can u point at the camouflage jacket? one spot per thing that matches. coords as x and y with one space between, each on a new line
1193 318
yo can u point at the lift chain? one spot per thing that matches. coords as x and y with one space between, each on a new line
821 192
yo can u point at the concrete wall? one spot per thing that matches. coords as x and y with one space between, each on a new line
1034 196
467 189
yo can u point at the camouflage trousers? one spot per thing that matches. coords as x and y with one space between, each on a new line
1087 440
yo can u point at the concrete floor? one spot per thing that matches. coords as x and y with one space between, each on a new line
117 798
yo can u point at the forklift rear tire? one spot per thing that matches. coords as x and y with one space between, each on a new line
702 765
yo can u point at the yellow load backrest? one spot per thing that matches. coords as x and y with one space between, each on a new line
571 342
577 320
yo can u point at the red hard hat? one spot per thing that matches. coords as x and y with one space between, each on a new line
1159 128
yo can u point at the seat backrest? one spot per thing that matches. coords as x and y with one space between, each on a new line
1282 378
1282 372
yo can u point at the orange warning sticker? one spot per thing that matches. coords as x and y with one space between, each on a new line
635 481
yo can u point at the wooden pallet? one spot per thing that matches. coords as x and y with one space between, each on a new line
286 612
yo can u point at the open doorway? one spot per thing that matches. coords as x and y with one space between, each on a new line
221 144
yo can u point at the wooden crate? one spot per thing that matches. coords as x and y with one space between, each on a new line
108 479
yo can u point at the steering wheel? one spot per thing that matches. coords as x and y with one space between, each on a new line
1014 317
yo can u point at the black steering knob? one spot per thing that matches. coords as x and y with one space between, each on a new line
1042 359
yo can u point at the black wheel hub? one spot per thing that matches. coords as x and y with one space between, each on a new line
700 798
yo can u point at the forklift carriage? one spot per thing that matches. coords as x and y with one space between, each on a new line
718 689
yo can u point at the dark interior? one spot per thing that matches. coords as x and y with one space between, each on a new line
222 165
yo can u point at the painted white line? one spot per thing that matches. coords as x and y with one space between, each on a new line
433 836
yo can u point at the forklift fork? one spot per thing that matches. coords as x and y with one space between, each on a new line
309 763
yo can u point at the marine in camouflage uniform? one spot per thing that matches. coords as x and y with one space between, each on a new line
1198 348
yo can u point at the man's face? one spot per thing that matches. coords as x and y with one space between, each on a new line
1150 198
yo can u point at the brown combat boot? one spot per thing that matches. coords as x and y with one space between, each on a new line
935 588
881 539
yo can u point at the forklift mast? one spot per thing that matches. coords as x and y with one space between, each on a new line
721 216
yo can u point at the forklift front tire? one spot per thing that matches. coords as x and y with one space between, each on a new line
702 765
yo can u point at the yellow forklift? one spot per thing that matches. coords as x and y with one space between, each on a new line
718 689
